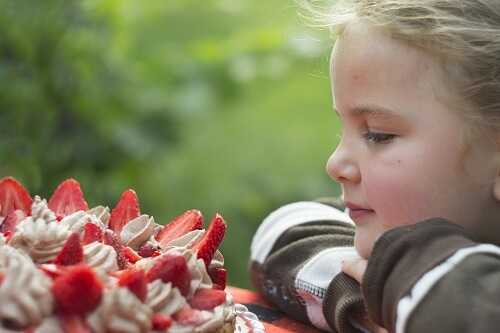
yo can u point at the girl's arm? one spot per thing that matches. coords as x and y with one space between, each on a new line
296 257
430 277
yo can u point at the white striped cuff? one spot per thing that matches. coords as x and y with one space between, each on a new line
285 217
408 304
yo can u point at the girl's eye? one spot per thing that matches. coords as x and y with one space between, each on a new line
375 137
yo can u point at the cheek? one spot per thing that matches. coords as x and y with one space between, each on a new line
396 194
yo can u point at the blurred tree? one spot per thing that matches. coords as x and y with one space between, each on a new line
223 106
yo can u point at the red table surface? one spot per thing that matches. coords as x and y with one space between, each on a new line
273 320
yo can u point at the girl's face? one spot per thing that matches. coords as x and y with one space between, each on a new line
401 157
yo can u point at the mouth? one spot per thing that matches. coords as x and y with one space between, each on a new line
358 214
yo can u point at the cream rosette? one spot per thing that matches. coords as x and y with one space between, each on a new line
218 316
199 274
39 235
100 257
40 210
121 311
101 213
76 222
188 240
163 298
25 292
138 231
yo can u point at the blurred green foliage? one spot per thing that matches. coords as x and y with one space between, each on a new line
220 105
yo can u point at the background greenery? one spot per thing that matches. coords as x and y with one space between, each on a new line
220 105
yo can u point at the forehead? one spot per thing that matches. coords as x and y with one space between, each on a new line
368 64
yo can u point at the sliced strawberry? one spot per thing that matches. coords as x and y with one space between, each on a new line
110 238
52 271
181 225
71 253
126 209
77 291
207 298
14 196
67 199
135 281
148 250
161 322
91 233
189 316
12 220
211 240
171 268
130 254
219 277
74 324
119 273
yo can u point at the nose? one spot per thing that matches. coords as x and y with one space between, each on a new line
342 165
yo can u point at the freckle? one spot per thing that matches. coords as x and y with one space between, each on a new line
357 77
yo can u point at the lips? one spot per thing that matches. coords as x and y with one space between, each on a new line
357 212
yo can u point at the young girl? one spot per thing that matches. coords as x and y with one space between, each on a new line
416 85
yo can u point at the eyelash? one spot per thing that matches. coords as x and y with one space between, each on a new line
374 137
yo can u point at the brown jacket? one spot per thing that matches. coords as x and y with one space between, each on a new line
428 277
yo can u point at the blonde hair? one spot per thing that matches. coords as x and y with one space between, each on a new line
464 34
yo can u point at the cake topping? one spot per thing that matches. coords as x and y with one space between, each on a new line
135 281
71 253
101 213
67 199
40 210
100 256
210 242
171 268
76 221
40 236
207 298
9 224
163 298
179 226
13 196
24 291
65 268
126 209
91 233
77 291
137 231
121 311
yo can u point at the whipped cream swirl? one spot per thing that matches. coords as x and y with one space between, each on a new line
164 298
25 291
76 222
101 213
138 231
185 241
40 210
121 311
39 235
100 256
217 317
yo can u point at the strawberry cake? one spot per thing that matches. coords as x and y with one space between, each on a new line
67 268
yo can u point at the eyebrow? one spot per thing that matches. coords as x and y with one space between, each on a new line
374 111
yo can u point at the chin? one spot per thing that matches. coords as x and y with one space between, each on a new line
363 243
